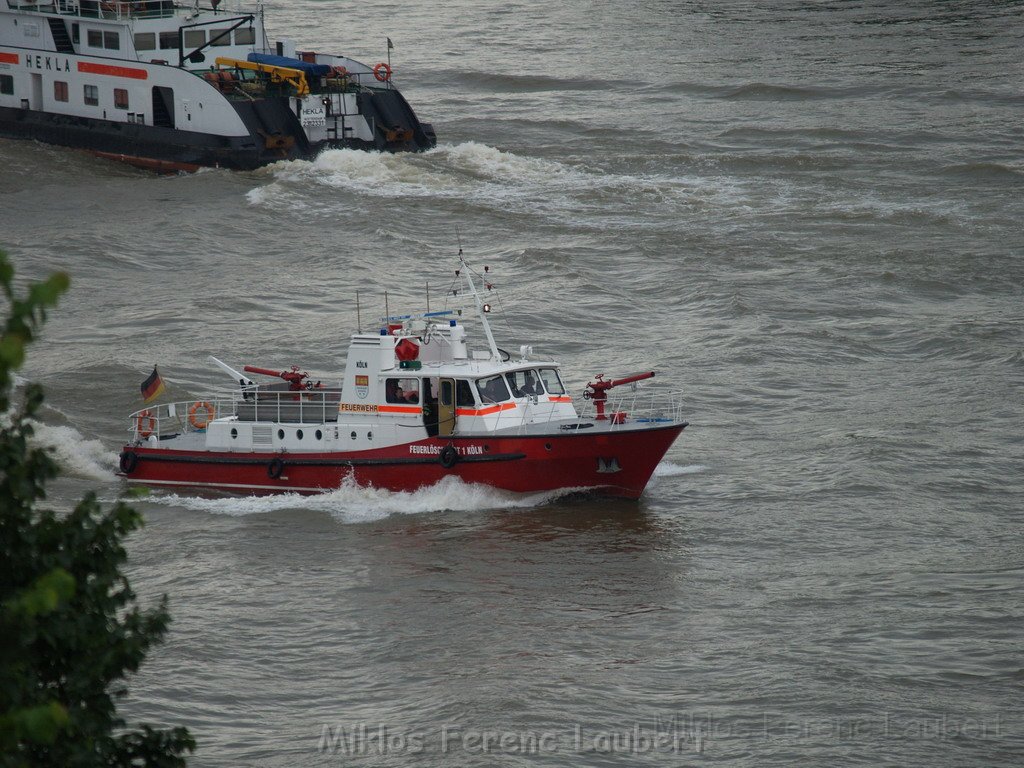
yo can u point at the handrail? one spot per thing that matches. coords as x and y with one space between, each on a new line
123 9
317 406
639 405
320 406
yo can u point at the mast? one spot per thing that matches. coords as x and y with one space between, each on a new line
480 308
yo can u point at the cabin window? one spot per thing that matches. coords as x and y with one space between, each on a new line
225 40
168 41
493 390
121 98
91 94
60 91
525 383
552 381
145 41
464 394
245 36
112 40
195 38
94 38
6 84
402 391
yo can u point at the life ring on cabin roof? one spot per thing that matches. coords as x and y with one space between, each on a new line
145 423
382 68
197 421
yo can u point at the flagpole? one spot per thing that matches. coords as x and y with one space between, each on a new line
390 46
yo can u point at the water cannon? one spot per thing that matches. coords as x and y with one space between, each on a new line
598 390
297 380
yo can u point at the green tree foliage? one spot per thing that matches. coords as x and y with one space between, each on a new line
70 627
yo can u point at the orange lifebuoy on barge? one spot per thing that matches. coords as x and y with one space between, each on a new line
145 423
382 68
208 414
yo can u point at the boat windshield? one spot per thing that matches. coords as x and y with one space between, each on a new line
525 383
552 381
493 390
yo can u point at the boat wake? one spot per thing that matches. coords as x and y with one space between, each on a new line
471 172
74 454
352 503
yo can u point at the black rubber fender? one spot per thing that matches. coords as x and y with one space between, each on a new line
449 456
128 461
275 468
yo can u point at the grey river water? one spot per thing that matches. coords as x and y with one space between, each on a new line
806 215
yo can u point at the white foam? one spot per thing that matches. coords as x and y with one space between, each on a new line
468 171
370 173
669 469
75 454
356 504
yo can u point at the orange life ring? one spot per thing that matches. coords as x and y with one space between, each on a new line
195 420
145 423
382 67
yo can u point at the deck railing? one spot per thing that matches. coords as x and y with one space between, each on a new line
317 406
623 409
125 9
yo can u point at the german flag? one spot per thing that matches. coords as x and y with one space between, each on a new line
152 387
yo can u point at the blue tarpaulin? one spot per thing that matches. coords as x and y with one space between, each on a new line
311 70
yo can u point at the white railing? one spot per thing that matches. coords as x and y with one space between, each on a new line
633 407
637 406
315 406
129 9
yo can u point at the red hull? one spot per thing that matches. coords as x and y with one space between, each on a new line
617 463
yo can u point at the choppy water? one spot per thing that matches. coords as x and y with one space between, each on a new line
806 214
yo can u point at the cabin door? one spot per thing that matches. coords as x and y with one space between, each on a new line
446 408
163 107
37 91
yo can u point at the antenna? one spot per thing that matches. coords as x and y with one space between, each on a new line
359 322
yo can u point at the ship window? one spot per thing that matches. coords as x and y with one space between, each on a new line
168 40
6 84
464 393
245 36
402 390
111 40
493 390
525 383
195 38
74 33
145 41
120 98
225 40
552 381
92 95
94 38
60 90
